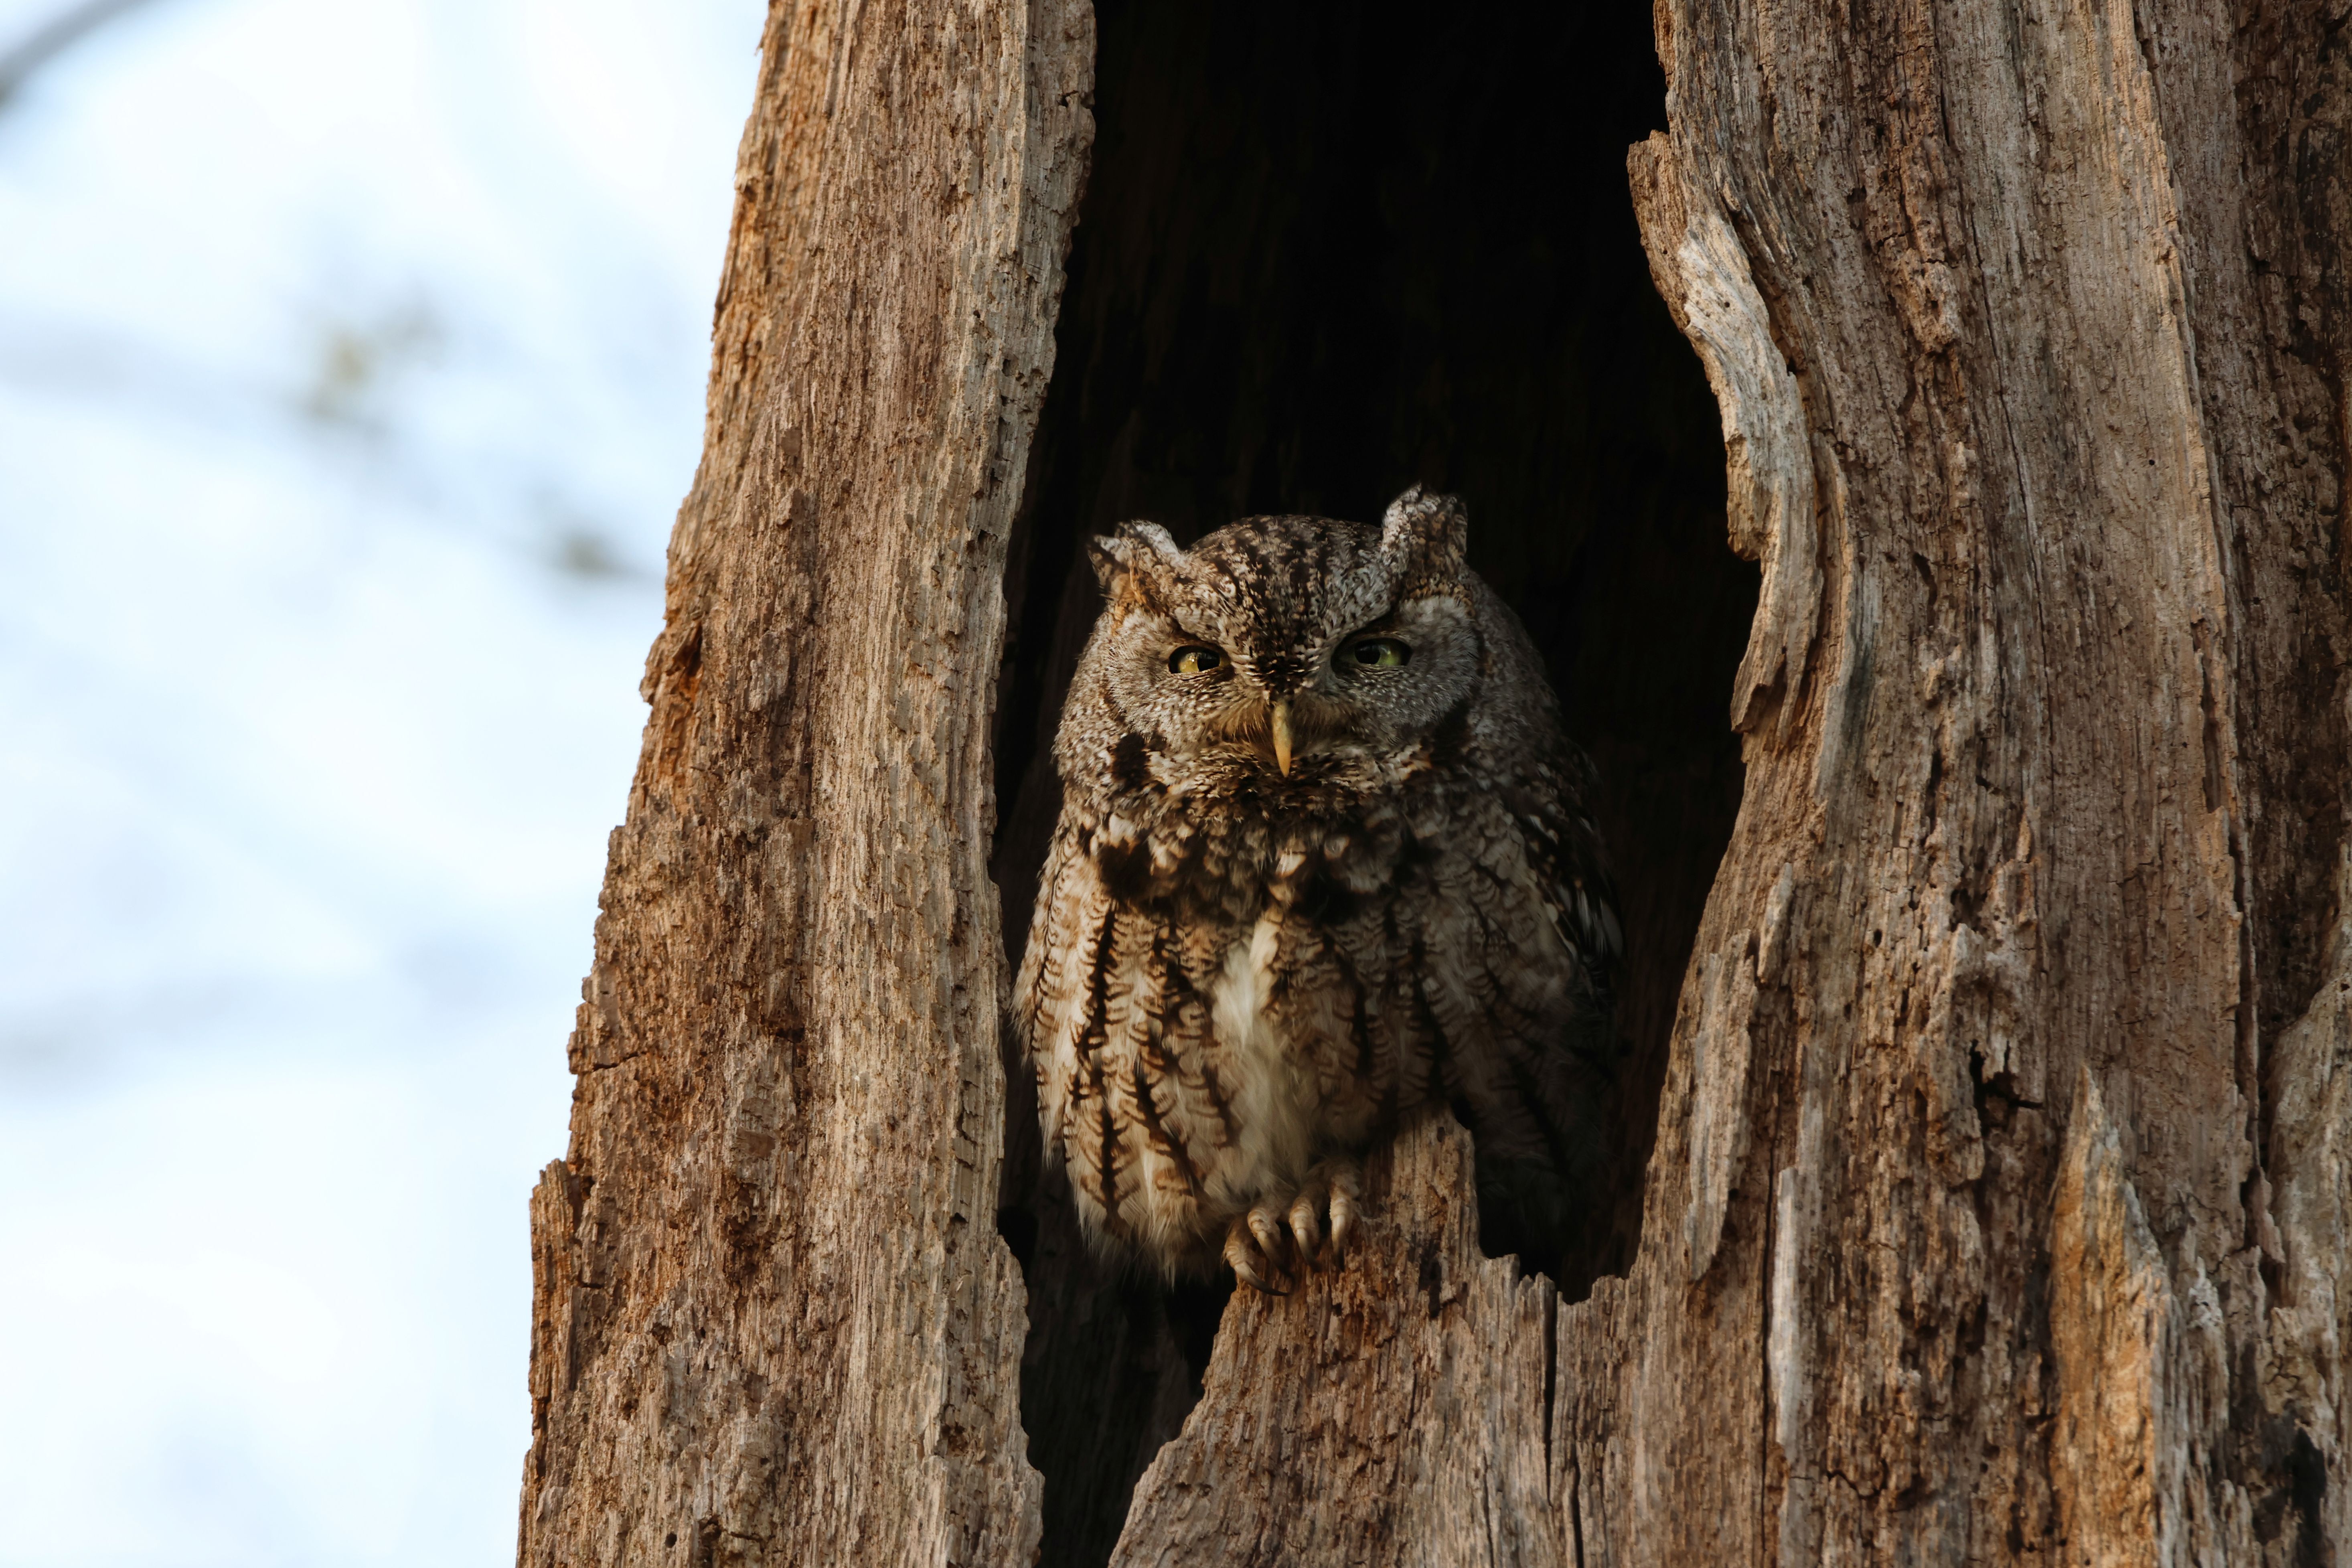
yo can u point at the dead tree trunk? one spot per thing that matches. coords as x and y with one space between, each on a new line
2000 1200
1990 1198
773 1319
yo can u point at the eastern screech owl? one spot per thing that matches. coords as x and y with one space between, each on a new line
1323 858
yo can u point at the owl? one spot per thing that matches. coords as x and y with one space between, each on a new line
1324 860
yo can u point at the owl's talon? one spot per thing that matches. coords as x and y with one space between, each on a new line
1244 1253
1276 1241
1271 1241
1306 1225
1331 1188
1344 1214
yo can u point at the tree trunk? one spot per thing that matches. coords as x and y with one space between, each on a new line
1988 1186
1998 1203
773 1322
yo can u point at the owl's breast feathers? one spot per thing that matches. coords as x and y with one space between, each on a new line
1223 986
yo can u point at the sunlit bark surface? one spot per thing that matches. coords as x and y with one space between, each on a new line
2002 1175
774 1321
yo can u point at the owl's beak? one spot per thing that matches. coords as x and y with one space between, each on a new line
1282 736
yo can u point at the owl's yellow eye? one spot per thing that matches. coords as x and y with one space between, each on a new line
1382 653
1194 659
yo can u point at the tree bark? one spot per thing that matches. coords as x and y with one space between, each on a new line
2002 1190
1994 1214
773 1319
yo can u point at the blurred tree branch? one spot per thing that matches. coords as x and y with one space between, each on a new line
45 42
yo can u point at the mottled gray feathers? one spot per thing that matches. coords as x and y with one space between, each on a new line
1324 858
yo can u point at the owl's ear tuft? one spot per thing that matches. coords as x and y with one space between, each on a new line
1125 561
1423 536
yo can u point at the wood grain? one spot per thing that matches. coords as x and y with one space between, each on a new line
774 1321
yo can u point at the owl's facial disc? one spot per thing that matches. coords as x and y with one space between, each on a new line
1294 696
1301 650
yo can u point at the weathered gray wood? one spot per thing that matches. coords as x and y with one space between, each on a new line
775 1320
2002 1189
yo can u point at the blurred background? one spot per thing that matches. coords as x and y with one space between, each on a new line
351 370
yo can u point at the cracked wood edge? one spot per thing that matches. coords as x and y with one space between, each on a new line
1393 1412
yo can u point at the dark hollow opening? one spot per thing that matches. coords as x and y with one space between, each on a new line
1326 252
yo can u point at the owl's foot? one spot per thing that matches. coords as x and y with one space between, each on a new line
1273 1246
1253 1244
1332 1189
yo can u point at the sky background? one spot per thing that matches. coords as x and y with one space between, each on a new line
351 365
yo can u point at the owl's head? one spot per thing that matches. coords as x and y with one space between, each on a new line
1296 648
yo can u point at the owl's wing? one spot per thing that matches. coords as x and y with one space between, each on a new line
1522 945
1565 859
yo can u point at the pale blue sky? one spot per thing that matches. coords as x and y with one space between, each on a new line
350 371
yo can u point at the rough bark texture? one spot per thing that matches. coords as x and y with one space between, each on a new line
2002 1190
2035 857
1998 1205
774 1319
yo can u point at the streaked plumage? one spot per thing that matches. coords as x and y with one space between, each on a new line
1339 871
